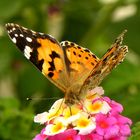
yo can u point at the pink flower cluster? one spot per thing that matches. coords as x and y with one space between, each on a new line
108 126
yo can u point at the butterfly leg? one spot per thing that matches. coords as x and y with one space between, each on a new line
70 110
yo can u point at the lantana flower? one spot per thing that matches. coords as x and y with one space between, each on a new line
95 118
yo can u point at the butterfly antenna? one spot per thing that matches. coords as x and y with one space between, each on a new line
53 98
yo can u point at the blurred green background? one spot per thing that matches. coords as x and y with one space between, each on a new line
93 24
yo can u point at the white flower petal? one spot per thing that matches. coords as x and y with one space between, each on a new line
57 105
41 118
73 118
105 108
97 90
86 130
56 128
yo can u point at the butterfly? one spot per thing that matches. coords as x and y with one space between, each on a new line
72 68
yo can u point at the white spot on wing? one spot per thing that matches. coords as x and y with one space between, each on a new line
21 35
41 33
27 52
10 31
33 32
14 29
62 43
14 40
28 39
11 24
16 35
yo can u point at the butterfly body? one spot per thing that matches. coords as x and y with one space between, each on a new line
72 68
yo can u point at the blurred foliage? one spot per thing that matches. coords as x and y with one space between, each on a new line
135 132
92 24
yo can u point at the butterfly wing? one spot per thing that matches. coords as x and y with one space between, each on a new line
110 60
79 63
67 64
42 50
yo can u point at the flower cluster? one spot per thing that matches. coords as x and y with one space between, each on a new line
96 117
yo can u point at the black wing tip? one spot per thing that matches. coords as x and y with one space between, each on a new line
11 26
7 25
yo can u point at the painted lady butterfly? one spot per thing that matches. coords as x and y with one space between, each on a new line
72 68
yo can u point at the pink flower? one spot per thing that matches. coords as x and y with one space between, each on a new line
116 107
113 127
40 136
67 135
123 120
118 138
94 118
92 136
124 124
106 126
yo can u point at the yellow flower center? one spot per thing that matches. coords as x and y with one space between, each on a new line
95 106
58 126
83 123
69 111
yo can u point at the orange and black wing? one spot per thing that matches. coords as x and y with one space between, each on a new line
42 50
79 63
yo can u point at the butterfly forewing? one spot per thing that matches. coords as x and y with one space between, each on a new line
42 50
